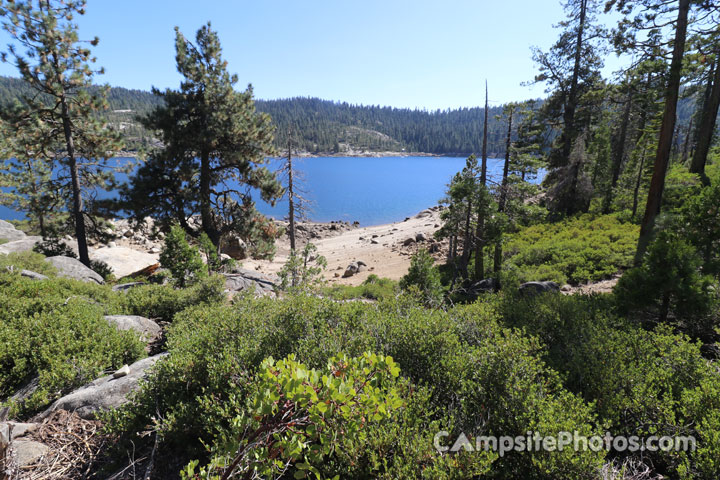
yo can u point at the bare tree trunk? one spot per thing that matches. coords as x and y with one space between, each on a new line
497 260
706 127
291 198
637 183
480 228
662 158
686 143
618 152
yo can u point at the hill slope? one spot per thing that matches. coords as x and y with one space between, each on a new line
322 126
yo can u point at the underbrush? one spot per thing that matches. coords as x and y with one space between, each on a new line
465 373
373 288
575 250
54 330
641 382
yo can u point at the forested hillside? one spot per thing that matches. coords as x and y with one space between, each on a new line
322 126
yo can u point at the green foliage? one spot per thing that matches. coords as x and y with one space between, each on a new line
295 414
472 369
164 301
212 137
666 386
52 246
183 261
210 251
303 271
700 222
575 250
54 331
423 277
32 261
668 281
372 288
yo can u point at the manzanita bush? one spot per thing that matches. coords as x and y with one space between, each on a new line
296 415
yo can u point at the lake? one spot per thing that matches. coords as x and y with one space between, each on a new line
368 190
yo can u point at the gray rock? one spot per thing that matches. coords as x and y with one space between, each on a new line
28 452
33 275
23 245
122 372
535 288
424 213
566 288
408 241
360 263
483 286
374 242
72 268
351 270
434 248
124 261
234 247
420 237
9 232
149 331
9 431
104 393
249 280
124 287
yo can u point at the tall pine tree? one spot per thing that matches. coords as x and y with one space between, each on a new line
59 121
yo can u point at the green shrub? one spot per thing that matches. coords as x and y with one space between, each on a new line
669 282
575 250
423 278
183 261
372 288
480 379
54 330
164 301
640 382
32 261
303 270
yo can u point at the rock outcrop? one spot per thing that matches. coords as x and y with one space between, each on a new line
73 268
124 261
9 232
148 330
22 245
104 393
248 280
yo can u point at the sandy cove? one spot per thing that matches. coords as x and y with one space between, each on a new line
381 247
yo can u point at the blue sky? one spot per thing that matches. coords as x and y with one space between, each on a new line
422 53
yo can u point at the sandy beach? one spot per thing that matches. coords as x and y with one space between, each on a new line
381 247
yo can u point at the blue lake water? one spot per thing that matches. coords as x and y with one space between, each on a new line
369 190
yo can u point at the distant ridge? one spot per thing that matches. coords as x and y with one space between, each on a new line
325 127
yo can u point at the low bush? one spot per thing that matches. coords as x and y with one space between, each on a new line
372 288
641 382
574 250
162 302
480 379
29 260
54 330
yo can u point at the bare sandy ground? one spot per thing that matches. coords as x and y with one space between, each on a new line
380 247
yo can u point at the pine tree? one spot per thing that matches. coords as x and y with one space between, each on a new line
214 151
59 121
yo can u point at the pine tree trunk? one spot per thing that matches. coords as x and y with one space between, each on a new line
568 133
497 260
662 158
206 214
637 184
480 229
78 213
686 143
706 127
467 244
